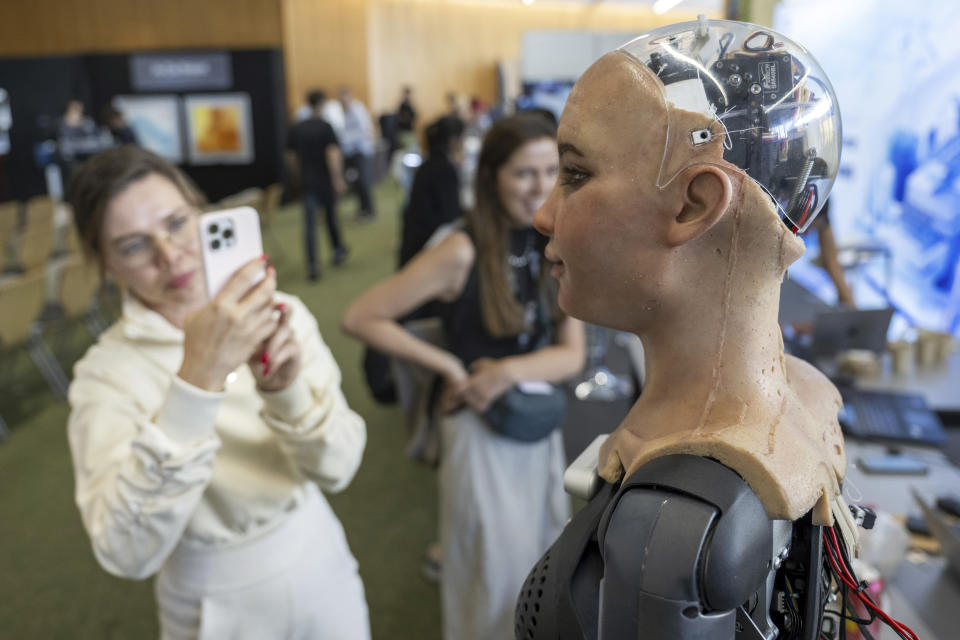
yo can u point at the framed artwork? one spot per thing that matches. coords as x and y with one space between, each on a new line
219 128
156 121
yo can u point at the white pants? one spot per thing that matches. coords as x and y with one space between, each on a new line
501 506
297 581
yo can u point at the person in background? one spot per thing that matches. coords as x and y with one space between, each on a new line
434 201
78 137
435 196
313 148
356 140
406 118
501 498
829 259
115 122
480 119
456 106
203 431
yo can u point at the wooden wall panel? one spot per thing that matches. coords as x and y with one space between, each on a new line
325 47
454 45
51 27
373 46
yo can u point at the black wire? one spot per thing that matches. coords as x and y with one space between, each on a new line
725 41
795 620
851 615
863 592
865 632
834 632
767 43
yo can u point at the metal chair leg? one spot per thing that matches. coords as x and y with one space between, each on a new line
49 368
94 320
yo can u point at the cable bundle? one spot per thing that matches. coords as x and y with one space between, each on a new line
840 567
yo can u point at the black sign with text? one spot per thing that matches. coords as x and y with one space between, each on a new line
180 71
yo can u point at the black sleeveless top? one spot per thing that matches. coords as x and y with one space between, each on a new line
464 331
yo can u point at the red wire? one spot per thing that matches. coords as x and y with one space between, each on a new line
843 572
848 579
846 576
806 208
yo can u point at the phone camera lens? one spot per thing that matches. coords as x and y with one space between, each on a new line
215 244
227 234
213 228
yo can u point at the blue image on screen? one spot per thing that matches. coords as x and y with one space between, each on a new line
895 207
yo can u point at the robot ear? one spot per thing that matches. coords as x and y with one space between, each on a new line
707 191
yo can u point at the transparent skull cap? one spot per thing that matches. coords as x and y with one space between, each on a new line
765 95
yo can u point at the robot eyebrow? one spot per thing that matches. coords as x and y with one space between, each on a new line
565 147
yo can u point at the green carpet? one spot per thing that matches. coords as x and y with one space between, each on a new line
50 584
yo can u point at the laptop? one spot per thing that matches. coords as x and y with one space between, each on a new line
798 305
890 417
845 329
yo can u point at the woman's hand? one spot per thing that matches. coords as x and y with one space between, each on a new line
455 378
276 364
489 379
225 332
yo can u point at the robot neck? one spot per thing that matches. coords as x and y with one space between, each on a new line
714 356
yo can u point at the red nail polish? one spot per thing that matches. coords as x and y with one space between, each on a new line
264 257
266 369
265 358
281 306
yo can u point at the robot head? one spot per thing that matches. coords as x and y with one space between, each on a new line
759 93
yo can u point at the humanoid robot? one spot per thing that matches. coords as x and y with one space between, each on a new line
691 158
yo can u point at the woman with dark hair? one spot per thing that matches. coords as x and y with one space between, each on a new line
501 494
203 430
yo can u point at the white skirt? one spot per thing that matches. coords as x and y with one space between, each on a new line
502 505
297 581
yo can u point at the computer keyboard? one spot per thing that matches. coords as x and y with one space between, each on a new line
894 417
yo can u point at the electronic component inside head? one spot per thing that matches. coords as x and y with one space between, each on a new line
763 94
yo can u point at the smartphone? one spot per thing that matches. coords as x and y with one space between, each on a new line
896 464
229 239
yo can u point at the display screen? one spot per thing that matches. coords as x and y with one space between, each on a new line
895 207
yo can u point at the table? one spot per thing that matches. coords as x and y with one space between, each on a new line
922 594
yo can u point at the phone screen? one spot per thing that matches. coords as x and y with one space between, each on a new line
229 239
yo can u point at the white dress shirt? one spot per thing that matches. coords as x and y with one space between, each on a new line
355 133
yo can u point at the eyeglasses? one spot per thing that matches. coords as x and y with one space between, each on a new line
179 230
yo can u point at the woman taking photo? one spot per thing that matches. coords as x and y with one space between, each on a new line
202 430
501 496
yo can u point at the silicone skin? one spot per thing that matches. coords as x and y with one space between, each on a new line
703 296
